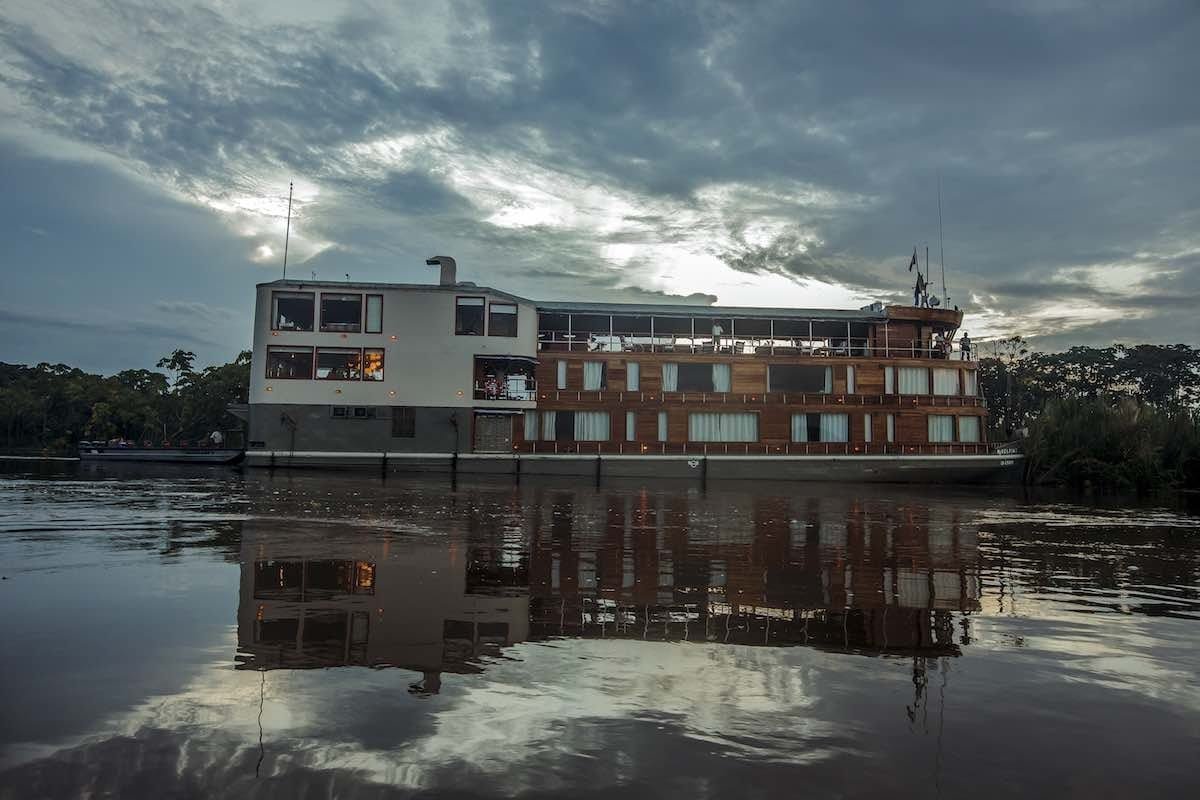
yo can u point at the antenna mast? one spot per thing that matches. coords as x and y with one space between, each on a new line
288 231
941 244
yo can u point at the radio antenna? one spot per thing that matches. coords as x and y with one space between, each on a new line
941 245
288 231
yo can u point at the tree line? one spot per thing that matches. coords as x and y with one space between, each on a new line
50 408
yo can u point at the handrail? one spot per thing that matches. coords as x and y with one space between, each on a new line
504 391
764 398
620 342
761 449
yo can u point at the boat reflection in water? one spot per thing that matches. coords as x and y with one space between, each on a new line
844 575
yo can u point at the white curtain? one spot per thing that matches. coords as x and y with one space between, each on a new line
562 374
799 427
548 419
968 429
891 427
945 381
889 380
630 426
914 380
662 426
867 428
593 375
941 428
828 380
633 376
850 379
670 381
723 427
531 426
970 383
835 428
722 379
591 426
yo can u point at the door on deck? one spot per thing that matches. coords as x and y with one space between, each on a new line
493 433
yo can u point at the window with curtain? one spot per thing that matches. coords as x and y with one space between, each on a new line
633 376
850 379
562 374
941 428
799 427
738 427
670 377
891 428
867 428
595 376
970 383
662 426
835 428
630 426
968 429
799 378
549 425
945 381
591 426
722 378
531 426
889 380
913 380
820 428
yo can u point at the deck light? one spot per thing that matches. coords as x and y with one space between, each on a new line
459 393
391 393
268 388
392 337
337 391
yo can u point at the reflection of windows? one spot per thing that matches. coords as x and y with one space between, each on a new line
278 580
338 364
502 319
341 312
373 364
374 313
404 422
277 631
292 311
468 316
800 378
289 362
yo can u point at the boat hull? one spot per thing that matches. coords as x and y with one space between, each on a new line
166 455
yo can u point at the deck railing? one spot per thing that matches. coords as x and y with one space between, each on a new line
556 341
764 398
760 449
513 389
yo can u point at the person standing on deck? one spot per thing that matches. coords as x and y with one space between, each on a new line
964 346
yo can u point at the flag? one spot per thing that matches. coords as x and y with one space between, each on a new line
913 263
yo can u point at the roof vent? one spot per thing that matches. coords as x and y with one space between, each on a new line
448 266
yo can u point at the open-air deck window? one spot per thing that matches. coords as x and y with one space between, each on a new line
373 364
468 316
341 312
289 362
735 427
374 322
800 378
502 319
339 364
292 311
820 428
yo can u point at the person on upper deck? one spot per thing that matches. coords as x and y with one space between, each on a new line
964 345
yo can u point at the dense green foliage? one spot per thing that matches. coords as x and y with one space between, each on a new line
51 407
1122 418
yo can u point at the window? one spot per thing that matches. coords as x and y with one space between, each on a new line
468 316
820 428
738 427
374 313
722 378
341 312
595 376
941 428
662 426
575 426
968 429
531 426
633 376
352 412
970 383
945 381
850 379
338 364
404 422
800 378
292 311
630 426
867 428
913 380
694 378
502 319
891 428
889 380
373 364
670 377
289 362
562 375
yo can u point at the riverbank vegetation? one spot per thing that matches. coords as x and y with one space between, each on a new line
1116 418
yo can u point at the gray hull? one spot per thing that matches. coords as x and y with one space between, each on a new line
181 455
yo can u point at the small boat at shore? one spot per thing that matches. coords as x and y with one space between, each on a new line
102 451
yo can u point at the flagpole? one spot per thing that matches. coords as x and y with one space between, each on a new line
288 231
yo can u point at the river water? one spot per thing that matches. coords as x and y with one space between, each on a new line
207 633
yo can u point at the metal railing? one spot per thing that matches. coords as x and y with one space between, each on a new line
556 341
764 398
512 389
760 449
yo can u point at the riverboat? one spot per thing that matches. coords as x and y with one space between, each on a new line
458 377
102 451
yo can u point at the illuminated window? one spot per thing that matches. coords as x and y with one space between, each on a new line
289 362
373 364
339 364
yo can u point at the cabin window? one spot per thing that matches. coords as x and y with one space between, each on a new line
562 375
341 313
670 377
737 427
531 426
945 381
968 429
820 428
662 426
913 380
502 319
695 378
468 316
630 426
595 376
800 378
633 376
891 428
576 426
722 378
970 383
352 412
292 311
404 422
338 364
889 380
867 428
289 362
941 428
374 313
373 364
850 379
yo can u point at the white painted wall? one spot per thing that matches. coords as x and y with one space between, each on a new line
425 363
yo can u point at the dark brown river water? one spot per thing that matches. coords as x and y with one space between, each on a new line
170 633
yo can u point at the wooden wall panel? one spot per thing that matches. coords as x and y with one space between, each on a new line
677 424
911 429
868 379
647 425
749 377
839 378
775 424
615 373
574 376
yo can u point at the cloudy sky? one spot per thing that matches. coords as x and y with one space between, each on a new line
757 153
